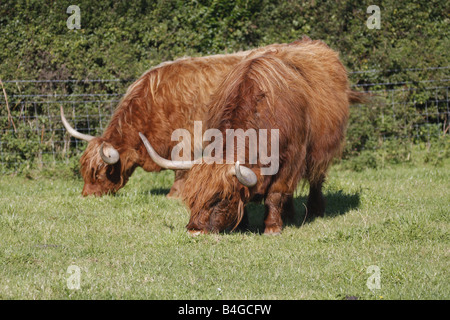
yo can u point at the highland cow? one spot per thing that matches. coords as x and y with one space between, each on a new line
169 96
302 91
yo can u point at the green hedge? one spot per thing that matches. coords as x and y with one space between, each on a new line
122 39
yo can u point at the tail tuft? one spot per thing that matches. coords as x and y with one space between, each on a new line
357 97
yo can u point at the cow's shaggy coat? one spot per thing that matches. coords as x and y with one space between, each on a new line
168 97
303 91
165 98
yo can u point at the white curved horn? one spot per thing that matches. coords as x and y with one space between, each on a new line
111 156
245 175
165 163
72 131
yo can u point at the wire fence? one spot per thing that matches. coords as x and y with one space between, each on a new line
32 135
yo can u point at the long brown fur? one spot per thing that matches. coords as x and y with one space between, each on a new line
168 97
301 89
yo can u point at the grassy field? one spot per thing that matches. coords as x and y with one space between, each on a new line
134 245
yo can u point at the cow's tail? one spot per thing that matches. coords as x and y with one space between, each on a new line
357 97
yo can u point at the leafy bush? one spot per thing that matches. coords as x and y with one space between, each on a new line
119 40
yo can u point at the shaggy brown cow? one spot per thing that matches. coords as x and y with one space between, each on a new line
303 91
165 98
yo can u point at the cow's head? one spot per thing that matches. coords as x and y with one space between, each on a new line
215 193
101 165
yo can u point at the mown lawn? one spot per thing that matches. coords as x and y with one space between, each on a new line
134 245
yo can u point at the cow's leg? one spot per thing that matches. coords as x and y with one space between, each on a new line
178 184
288 212
277 205
316 201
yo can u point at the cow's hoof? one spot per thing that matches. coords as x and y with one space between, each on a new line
195 233
173 195
272 231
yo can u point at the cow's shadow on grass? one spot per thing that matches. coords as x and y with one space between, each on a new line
337 204
159 191
145 191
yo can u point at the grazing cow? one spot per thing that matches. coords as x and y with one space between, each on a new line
165 98
300 90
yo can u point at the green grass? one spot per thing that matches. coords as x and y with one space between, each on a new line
134 245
